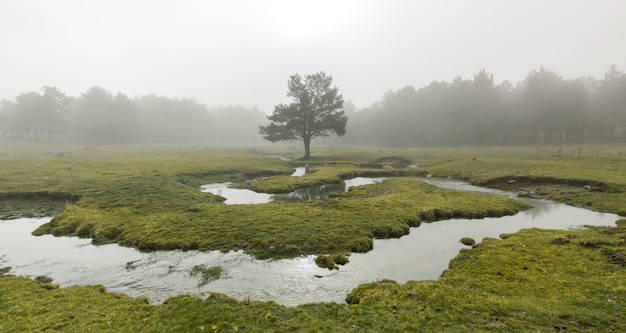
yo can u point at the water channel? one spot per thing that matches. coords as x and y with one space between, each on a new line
421 255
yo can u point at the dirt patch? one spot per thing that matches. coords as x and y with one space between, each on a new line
512 183
617 257
560 241
593 244
34 205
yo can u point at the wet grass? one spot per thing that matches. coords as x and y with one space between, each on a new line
277 229
523 282
148 197
467 241
591 176
326 174
331 262
33 205
207 274
588 176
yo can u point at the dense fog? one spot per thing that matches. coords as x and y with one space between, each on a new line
98 116
543 108
409 72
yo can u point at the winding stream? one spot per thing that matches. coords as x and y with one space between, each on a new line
421 255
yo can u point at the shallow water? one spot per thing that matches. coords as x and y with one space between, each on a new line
301 171
421 255
238 196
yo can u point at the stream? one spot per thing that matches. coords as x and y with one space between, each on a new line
423 254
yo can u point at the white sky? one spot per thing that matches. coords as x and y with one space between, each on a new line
243 52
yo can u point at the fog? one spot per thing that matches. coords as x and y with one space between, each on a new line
242 52
221 63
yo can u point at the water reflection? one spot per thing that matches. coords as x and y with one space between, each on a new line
301 171
236 196
311 193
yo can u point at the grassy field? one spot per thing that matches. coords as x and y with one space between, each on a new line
148 197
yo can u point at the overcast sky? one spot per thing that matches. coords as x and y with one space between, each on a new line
243 52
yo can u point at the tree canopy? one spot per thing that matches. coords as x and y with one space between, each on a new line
106 118
316 111
544 108
42 113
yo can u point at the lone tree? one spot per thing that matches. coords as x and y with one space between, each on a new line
316 110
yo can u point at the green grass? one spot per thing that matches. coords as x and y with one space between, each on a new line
326 174
528 281
277 229
207 274
331 262
148 197
595 178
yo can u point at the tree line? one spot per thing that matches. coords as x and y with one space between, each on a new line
98 116
543 108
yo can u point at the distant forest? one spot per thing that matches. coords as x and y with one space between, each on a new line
544 108
100 117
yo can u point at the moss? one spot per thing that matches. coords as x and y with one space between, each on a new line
274 230
361 244
207 274
560 241
43 279
4 271
467 241
594 179
148 197
340 259
325 262
616 256
331 261
521 283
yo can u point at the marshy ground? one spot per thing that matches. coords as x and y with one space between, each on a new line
149 197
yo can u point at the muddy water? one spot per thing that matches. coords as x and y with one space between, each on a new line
423 254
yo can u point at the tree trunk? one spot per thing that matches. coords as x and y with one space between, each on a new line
307 148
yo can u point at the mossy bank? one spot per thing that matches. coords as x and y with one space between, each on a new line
148 197
535 280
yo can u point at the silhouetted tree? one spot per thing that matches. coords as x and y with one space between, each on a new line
238 124
43 113
105 118
316 111
8 117
541 98
458 110
573 110
486 116
609 110
174 120
402 117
